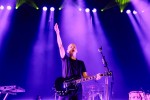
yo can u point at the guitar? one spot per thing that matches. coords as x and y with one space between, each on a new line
66 86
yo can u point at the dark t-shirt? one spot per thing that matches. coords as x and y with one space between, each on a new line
72 68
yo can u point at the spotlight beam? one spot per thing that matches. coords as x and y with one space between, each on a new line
29 2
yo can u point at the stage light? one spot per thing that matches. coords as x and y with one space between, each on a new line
60 8
102 10
44 8
9 7
94 10
1 7
87 10
128 11
121 10
134 12
52 8
37 8
16 7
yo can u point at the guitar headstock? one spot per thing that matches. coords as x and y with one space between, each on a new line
109 73
105 74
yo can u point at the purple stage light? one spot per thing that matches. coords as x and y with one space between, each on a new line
1 7
128 11
8 7
94 10
134 12
45 8
52 8
87 10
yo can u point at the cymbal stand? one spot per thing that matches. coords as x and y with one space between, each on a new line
93 95
55 96
5 96
100 96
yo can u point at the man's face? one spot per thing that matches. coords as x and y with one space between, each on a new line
72 49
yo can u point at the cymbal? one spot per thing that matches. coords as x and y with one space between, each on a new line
11 89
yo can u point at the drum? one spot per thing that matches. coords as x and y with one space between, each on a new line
147 96
136 95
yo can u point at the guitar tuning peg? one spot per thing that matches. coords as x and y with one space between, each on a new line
110 73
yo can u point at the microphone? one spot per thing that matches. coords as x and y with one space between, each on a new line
100 49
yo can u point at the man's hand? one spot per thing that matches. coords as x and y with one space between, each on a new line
98 76
56 28
85 74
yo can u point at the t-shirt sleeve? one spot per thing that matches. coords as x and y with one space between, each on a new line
65 57
64 66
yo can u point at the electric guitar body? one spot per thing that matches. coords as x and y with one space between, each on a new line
67 86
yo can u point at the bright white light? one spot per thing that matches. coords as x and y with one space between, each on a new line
121 10
134 12
94 10
60 8
143 11
44 8
9 7
1 7
52 8
37 8
87 10
128 11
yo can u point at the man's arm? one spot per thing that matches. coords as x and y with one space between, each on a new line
59 41
85 75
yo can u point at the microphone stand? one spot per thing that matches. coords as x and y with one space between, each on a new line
108 73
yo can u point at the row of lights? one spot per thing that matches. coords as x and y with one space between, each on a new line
52 9
45 8
86 10
134 12
7 7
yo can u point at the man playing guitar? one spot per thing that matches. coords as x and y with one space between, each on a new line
71 67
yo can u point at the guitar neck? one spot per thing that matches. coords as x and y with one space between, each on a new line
87 79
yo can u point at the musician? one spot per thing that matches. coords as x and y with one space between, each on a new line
71 66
